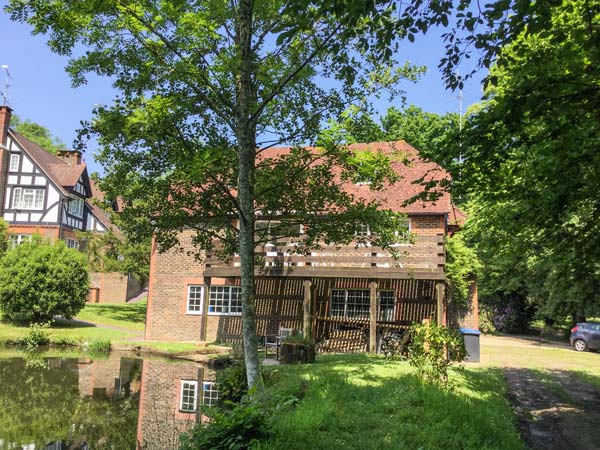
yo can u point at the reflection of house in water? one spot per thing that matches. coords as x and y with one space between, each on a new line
112 378
170 401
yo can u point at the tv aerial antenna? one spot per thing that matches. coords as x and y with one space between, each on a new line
7 78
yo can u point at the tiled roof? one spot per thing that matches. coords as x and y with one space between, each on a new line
413 172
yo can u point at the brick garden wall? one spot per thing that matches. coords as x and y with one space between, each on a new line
113 287
428 224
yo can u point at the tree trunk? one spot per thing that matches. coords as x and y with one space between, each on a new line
246 136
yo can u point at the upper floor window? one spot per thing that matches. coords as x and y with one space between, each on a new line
14 162
194 299
24 198
189 396
225 300
362 230
76 207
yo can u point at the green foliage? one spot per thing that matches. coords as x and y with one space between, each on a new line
37 133
99 346
39 281
3 237
486 319
36 336
238 427
232 383
433 350
462 266
108 252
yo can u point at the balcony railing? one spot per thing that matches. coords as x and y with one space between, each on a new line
425 256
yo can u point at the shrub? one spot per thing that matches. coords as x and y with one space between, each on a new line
64 341
99 346
486 319
36 336
233 384
39 281
433 349
237 427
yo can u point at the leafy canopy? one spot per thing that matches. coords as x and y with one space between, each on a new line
37 133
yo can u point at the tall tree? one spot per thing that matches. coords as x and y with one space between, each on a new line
206 89
38 134
532 167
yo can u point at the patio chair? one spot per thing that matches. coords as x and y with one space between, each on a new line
272 341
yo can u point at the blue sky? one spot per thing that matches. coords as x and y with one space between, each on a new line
41 90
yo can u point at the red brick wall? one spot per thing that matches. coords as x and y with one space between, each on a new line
113 287
428 224
47 232
170 274
465 316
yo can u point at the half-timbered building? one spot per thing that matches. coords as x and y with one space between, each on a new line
346 297
42 193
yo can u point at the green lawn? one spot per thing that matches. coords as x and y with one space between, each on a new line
130 316
365 402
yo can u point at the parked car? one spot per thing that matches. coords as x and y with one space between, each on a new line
586 336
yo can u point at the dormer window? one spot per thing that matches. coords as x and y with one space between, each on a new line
28 198
15 158
76 207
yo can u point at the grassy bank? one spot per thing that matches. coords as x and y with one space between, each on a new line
129 316
365 402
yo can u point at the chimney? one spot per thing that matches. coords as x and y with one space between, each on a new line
5 113
72 157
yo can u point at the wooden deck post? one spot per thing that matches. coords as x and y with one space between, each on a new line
373 317
307 330
440 290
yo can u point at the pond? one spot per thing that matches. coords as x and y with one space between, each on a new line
118 402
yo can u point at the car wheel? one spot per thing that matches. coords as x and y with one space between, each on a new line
580 345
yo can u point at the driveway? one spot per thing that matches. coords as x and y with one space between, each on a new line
553 390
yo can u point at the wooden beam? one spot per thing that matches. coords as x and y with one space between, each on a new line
307 331
373 317
440 289
334 272
204 317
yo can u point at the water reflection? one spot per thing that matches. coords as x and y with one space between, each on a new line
120 402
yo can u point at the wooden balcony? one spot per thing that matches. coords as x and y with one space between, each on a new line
422 260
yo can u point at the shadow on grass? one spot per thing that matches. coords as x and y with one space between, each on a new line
134 312
365 402
64 323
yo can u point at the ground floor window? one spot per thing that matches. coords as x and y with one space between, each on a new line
350 303
225 300
189 396
18 239
387 302
356 304
210 393
194 299
72 243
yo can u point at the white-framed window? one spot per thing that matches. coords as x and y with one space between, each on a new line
362 230
15 158
72 243
350 303
76 207
210 393
26 198
225 300
404 232
195 298
387 304
189 396
18 239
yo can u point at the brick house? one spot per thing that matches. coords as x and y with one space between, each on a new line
344 296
